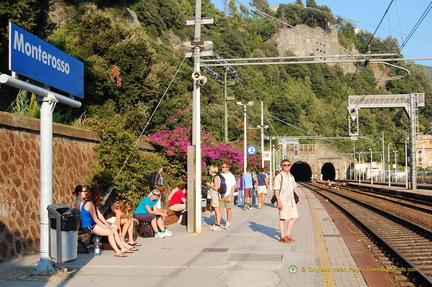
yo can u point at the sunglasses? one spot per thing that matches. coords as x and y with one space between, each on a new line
156 194
223 167
286 165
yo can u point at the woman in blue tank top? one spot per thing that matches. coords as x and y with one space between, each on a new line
93 221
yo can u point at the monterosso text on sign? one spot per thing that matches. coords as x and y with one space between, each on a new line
36 52
36 59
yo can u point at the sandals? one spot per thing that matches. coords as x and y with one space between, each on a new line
120 255
128 251
134 244
133 249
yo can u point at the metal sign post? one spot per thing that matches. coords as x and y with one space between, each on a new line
34 58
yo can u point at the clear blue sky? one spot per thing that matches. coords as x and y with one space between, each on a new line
399 21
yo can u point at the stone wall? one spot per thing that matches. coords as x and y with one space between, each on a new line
73 163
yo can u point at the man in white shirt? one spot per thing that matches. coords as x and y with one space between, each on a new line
227 200
284 188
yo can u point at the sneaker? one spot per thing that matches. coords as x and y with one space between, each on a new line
227 226
167 233
211 227
216 228
159 235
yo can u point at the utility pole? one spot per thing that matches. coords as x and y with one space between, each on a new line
245 105
197 49
262 127
225 107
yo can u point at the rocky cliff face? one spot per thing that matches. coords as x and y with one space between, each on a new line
303 40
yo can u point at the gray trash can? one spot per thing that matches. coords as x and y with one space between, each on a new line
64 224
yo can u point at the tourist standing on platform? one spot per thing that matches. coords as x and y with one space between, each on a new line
157 178
227 200
240 189
248 189
262 187
284 188
215 197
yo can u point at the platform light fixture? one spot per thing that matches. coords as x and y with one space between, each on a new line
245 105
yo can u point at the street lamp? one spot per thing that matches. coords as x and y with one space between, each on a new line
388 157
245 104
396 164
226 99
406 163
371 175
382 173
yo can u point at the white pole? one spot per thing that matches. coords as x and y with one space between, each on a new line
196 122
47 105
245 139
262 134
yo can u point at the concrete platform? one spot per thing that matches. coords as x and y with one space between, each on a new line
248 254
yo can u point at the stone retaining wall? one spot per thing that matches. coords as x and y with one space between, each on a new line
73 163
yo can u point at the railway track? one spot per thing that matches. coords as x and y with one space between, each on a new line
407 245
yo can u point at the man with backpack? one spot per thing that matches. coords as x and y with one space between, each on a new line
227 200
156 178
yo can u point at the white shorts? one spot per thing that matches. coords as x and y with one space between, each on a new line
262 189
111 220
288 212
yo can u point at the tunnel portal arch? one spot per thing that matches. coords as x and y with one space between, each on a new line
328 171
301 171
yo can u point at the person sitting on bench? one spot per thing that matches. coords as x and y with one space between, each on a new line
177 198
93 222
148 211
80 193
119 214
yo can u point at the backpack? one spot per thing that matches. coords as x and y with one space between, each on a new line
222 186
152 177
145 229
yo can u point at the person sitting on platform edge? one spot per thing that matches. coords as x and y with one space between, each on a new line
284 188
119 214
177 198
147 211
93 222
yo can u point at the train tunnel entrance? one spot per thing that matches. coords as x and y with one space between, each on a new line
328 172
301 171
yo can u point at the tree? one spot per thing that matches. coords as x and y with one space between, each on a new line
311 4
261 5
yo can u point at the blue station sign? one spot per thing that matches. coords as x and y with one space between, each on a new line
34 58
251 150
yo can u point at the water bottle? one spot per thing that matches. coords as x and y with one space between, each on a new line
97 250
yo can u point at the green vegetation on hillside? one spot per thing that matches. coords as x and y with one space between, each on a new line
129 66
